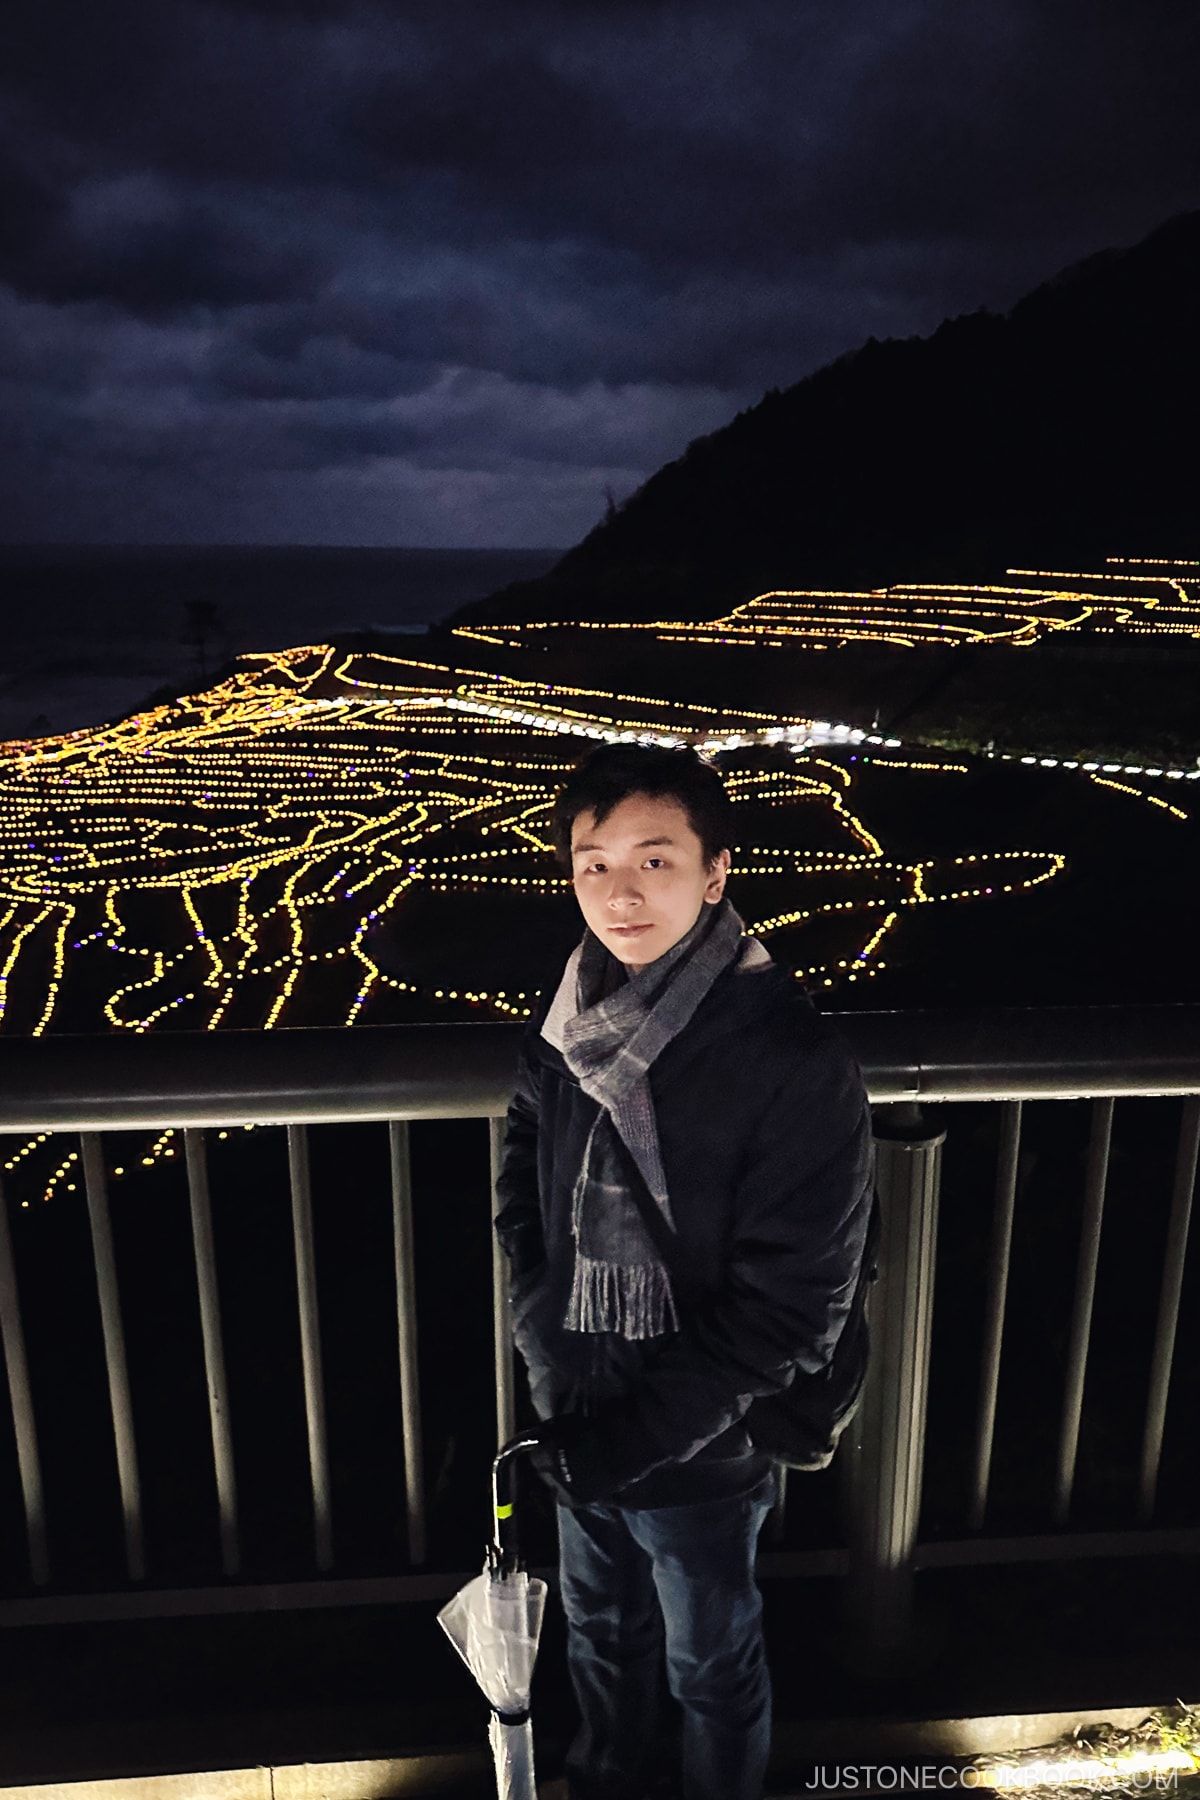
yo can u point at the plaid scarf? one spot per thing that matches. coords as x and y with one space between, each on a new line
609 1037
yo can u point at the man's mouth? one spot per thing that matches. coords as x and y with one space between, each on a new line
629 930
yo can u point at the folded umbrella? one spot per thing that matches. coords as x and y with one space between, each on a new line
494 1623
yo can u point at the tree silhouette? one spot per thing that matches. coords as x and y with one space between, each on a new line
202 623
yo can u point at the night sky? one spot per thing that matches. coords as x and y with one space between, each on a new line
440 275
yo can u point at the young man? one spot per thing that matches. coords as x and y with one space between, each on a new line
684 1201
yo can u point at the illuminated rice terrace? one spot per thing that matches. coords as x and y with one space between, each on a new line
336 838
1150 598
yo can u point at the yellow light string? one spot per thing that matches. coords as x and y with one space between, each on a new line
311 785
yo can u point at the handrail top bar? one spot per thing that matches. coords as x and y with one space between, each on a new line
286 1077
466 1070
1027 1053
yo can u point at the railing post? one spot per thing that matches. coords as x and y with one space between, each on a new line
214 1349
887 1445
310 1343
506 1399
24 1424
997 1294
406 1321
1169 1298
114 1352
1095 1182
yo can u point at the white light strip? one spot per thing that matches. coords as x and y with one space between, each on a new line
1086 1771
797 737
1108 768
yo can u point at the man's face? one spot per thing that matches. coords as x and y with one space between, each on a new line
641 878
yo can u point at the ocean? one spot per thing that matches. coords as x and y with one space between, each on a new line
88 634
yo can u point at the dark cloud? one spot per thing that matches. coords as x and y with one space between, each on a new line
492 123
291 259
154 267
282 364
30 210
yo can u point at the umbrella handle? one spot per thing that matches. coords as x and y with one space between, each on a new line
503 1554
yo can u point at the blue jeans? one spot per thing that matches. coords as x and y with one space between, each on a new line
679 1579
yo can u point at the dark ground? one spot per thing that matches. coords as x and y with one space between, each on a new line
323 1686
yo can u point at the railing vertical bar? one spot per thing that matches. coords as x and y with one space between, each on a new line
1168 1306
1081 1312
406 1322
114 1351
214 1349
310 1343
997 1293
506 1399
29 1461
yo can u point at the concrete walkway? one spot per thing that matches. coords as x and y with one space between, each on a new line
372 1701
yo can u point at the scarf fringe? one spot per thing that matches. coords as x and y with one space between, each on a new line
632 1301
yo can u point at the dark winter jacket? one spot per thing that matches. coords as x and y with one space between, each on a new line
765 1139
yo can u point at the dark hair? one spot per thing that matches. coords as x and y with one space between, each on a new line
613 772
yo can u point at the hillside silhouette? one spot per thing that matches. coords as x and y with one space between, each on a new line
1051 435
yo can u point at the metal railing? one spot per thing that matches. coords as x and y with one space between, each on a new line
395 1075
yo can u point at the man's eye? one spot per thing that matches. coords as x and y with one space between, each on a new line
655 862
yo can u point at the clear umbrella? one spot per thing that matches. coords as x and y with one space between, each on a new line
494 1623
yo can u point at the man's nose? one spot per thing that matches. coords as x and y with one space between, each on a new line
625 890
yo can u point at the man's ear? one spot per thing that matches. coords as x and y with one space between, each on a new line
717 873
